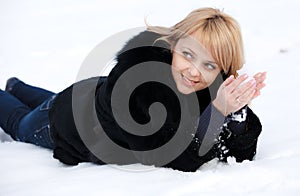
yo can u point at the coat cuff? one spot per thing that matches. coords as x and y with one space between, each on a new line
236 122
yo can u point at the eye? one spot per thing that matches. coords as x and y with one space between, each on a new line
187 54
209 66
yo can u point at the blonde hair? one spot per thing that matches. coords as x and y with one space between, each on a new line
217 31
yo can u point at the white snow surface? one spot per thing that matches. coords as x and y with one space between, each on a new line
45 42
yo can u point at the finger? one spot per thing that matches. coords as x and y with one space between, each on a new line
264 76
256 94
260 86
247 96
253 95
228 80
259 74
250 85
260 77
236 83
256 76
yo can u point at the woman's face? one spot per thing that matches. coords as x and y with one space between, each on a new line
193 67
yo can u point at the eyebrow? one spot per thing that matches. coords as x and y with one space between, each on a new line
212 62
195 54
190 51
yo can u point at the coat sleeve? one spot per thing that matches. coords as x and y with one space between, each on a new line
225 139
241 142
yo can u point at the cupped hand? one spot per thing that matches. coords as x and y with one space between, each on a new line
233 94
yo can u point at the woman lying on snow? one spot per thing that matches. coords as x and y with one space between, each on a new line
190 69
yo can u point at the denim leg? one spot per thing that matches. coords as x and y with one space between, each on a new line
34 127
30 95
11 112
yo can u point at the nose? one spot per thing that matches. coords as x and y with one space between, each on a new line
193 71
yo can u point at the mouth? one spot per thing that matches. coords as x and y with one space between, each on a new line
188 82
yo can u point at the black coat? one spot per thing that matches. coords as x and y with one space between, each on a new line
84 112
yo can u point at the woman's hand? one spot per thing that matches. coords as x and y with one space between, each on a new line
233 95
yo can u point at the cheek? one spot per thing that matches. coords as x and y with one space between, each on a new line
210 77
178 62
175 65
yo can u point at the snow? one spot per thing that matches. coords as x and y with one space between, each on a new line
240 117
45 42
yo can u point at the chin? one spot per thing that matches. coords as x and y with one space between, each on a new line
185 91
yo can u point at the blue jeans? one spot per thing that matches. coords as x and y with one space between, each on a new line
24 114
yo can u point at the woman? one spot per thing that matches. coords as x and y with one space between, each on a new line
187 65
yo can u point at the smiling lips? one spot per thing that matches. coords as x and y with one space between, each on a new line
188 82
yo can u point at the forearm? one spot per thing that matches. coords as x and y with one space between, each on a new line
243 140
218 138
202 146
209 127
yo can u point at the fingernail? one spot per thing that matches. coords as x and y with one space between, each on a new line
230 77
265 73
258 75
245 76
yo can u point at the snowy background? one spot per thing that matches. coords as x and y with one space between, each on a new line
45 42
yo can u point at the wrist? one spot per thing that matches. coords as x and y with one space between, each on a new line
219 107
